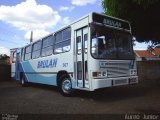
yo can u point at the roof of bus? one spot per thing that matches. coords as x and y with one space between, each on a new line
90 14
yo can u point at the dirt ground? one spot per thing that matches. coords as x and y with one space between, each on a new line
41 99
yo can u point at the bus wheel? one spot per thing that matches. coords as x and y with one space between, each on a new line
66 86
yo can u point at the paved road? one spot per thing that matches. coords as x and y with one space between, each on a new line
46 99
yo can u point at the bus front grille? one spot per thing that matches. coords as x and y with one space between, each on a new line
118 69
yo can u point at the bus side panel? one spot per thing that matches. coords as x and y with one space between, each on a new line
31 75
44 70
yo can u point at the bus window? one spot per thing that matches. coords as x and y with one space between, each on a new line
66 46
28 52
47 45
59 37
66 34
79 45
36 49
63 41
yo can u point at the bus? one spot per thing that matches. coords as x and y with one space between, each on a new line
96 51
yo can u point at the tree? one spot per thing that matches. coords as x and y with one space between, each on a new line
142 14
4 59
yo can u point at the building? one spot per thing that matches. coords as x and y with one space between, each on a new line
147 55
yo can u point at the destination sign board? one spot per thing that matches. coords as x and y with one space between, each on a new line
110 21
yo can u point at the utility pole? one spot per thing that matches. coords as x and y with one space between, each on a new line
31 38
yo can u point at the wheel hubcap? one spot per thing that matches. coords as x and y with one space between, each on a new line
66 85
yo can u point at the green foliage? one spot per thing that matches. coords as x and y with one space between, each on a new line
4 59
142 14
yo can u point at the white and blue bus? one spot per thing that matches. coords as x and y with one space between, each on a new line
93 52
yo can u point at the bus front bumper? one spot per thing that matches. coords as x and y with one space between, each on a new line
109 82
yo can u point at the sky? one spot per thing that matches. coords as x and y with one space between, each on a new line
19 17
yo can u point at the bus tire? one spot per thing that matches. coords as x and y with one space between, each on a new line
66 86
22 81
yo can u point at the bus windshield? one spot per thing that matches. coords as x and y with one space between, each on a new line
110 43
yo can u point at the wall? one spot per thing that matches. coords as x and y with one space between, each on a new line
148 70
5 72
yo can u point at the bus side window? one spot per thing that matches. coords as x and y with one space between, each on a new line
36 50
67 39
27 53
62 41
47 46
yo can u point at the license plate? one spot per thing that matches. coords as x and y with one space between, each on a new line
120 82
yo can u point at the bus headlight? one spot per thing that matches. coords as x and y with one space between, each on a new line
99 74
133 72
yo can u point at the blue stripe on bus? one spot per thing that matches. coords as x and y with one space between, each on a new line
37 78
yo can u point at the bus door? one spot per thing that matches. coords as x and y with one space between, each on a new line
81 57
